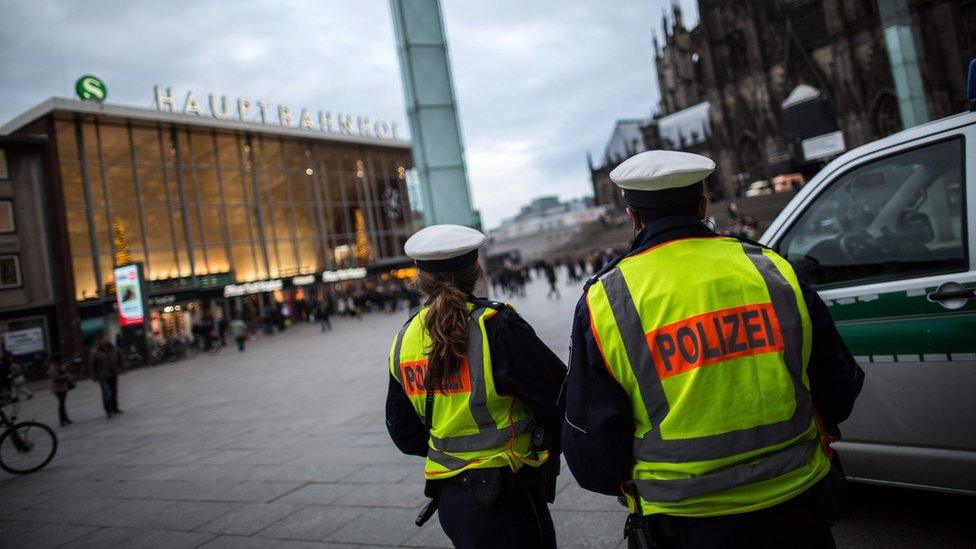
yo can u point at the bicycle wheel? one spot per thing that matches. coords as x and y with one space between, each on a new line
215 348
27 447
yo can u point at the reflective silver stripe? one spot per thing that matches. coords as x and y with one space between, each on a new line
478 401
651 447
784 461
788 313
396 350
638 352
483 440
445 460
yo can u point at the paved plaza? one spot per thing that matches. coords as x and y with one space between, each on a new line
285 446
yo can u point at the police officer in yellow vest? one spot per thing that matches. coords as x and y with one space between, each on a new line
700 371
474 391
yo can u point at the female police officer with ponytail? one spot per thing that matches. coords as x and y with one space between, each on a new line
474 391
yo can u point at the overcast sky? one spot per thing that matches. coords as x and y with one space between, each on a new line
538 83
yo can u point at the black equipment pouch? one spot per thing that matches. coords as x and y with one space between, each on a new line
428 511
539 438
637 533
636 529
485 486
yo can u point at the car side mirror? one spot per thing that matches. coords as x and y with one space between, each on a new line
916 226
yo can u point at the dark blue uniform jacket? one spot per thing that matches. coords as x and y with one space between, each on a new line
598 434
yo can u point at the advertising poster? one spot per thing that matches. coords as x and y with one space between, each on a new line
23 342
128 295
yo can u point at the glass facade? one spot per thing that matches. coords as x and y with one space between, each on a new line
206 206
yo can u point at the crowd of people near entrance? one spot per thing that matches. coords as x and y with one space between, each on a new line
355 302
110 357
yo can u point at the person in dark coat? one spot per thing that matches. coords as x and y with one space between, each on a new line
106 363
61 383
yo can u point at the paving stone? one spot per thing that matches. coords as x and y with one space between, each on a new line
384 495
240 542
574 498
305 472
249 518
223 491
168 539
48 535
63 510
387 473
378 526
317 493
13 504
228 456
56 471
23 486
10 529
104 537
166 515
311 523
588 528
296 544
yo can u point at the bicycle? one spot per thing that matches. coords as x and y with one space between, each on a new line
133 357
209 343
25 447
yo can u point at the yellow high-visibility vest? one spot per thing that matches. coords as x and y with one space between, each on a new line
473 426
710 338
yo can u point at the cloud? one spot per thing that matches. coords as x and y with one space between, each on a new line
538 83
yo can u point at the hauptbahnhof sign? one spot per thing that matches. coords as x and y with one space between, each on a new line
260 111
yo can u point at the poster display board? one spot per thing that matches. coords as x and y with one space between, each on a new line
129 296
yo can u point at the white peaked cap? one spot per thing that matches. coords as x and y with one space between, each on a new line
659 170
662 178
441 248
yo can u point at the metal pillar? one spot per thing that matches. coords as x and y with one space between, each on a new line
432 112
897 25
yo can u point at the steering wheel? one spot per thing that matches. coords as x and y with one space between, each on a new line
859 246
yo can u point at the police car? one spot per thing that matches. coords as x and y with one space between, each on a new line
887 235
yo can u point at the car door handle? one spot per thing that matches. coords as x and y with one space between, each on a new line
952 295
967 293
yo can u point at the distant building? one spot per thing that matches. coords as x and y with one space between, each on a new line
542 226
752 80
32 265
227 217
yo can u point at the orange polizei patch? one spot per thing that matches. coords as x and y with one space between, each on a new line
412 376
714 337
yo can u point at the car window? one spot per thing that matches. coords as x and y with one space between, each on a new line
896 217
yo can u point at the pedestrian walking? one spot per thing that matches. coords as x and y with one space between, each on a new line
61 383
6 361
222 330
324 313
706 380
353 307
550 271
474 391
106 363
238 331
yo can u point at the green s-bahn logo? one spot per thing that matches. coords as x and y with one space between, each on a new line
90 87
